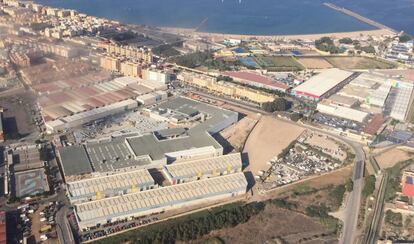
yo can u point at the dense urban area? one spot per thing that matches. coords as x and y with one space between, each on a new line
121 133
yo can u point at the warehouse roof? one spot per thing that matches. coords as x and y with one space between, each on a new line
91 186
187 106
112 154
319 84
75 160
156 149
205 166
256 78
158 198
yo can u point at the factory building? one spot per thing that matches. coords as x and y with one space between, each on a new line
121 154
324 84
257 80
327 107
152 98
182 111
90 115
157 200
402 101
97 188
178 173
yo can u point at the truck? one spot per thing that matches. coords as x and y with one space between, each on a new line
45 228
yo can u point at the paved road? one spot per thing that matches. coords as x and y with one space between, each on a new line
62 226
354 201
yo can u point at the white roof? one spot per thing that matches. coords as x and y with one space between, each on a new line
131 179
319 84
157 199
343 112
402 101
193 168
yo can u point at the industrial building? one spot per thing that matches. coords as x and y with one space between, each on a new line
148 202
97 188
178 173
327 107
23 157
197 116
152 98
402 101
190 140
370 90
324 84
135 152
254 79
79 119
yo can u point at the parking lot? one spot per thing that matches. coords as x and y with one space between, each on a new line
38 221
337 123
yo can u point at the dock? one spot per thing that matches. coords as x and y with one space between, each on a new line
359 17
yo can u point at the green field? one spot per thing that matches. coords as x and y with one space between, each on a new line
359 63
278 63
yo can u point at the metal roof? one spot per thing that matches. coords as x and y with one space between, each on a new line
75 160
319 84
159 198
205 166
156 149
133 179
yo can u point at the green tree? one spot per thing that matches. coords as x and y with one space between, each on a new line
346 40
369 185
404 38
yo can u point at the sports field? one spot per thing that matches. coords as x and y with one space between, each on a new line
278 63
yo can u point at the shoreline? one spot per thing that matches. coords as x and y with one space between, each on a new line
352 34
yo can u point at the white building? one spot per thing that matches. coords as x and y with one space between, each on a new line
148 202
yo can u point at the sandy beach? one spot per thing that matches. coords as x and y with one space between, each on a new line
218 36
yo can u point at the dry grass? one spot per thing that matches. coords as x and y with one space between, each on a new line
315 63
390 158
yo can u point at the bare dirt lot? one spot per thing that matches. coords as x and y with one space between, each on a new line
389 158
237 134
315 63
267 140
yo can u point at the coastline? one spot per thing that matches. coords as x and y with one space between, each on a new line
353 34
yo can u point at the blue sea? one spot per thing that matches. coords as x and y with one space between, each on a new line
256 17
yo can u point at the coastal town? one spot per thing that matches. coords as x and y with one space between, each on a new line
128 133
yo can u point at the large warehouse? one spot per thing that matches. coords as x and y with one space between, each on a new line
196 123
108 186
90 214
328 107
126 153
203 168
181 110
402 101
324 84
